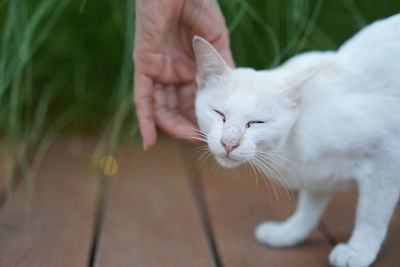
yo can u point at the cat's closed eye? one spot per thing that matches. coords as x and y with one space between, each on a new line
248 124
221 114
253 122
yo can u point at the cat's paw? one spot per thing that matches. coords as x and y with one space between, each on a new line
278 235
345 256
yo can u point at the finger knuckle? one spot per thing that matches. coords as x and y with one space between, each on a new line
143 100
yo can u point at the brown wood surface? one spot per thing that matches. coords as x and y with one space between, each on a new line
52 225
339 219
162 210
236 205
151 218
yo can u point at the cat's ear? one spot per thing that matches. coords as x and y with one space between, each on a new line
292 95
208 61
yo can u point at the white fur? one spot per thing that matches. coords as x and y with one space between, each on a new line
331 119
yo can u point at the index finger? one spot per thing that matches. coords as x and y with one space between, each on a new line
172 120
143 99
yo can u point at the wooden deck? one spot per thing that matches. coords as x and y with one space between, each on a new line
160 209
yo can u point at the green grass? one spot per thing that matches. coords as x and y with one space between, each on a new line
23 106
65 66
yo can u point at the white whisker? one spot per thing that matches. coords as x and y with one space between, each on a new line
202 139
274 166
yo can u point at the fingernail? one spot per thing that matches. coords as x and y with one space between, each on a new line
144 147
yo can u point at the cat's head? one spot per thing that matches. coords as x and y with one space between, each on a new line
242 112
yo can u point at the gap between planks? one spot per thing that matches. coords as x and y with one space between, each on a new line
198 194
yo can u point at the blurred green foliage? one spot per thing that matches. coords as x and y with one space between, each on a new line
267 32
66 65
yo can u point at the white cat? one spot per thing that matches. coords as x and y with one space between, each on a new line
321 121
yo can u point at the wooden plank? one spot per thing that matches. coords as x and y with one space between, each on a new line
339 220
52 226
151 217
236 205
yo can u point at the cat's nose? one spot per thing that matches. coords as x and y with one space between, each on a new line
229 147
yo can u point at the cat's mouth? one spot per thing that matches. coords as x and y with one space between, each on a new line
228 161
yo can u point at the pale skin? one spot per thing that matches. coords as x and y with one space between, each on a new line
164 77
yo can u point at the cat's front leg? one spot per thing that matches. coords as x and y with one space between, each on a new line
376 203
295 229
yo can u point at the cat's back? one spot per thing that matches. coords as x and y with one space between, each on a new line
369 62
359 91
375 47
351 108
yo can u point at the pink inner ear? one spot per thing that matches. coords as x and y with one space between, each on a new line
292 96
294 91
208 61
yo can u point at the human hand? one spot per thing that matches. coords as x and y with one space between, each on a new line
165 66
